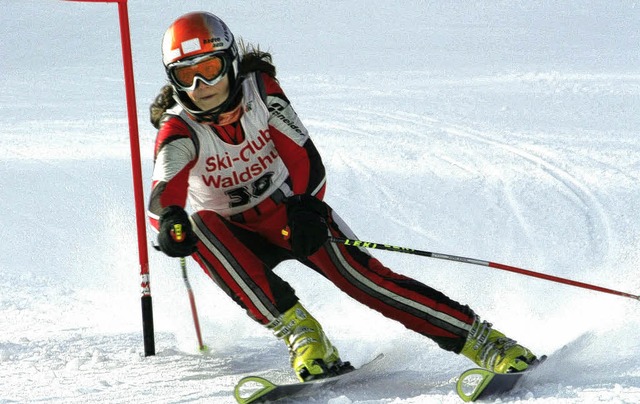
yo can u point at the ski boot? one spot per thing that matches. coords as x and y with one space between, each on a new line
312 354
491 350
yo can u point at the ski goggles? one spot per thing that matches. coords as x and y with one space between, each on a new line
209 68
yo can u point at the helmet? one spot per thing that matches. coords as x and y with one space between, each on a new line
195 36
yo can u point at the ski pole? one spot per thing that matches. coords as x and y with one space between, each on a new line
178 236
387 247
192 301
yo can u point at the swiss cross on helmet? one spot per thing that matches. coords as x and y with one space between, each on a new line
197 47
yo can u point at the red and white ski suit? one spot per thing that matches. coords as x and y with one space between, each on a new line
237 187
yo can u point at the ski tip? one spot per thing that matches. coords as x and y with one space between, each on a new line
251 388
472 382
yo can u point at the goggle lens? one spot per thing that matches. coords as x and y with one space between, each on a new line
209 69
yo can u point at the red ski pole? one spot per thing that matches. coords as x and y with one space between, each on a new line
387 247
178 236
192 301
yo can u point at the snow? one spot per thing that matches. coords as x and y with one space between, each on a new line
504 131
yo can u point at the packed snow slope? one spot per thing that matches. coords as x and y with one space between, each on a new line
505 131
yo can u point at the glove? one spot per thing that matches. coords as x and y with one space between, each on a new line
176 237
307 220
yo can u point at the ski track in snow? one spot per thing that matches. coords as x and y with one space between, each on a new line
582 198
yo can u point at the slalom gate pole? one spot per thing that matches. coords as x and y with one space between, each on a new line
136 165
192 302
387 247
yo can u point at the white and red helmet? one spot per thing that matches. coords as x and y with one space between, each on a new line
195 36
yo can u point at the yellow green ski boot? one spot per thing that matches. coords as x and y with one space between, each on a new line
491 350
312 354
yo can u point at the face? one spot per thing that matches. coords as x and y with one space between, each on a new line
207 97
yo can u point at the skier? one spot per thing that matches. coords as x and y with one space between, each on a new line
231 144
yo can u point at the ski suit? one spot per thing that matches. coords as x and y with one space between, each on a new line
237 177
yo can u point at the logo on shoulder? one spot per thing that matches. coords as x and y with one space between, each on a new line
276 109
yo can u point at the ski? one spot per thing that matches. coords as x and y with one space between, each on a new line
474 384
256 389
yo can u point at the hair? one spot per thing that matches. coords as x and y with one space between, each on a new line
163 101
252 60
255 60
